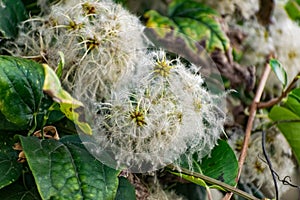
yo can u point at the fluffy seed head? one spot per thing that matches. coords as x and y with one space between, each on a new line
154 119
98 37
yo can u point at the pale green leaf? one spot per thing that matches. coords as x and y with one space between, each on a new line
71 107
288 120
279 71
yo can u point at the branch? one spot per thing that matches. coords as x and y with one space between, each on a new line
278 99
252 113
214 182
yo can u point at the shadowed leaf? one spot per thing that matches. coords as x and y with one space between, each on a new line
11 14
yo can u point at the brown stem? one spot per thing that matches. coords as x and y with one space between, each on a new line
252 113
209 196
278 99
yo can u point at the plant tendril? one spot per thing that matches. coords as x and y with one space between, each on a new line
269 164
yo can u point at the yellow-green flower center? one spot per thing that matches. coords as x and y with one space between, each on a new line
74 26
89 8
138 117
162 68
92 43
197 105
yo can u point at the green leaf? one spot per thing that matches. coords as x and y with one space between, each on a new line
292 7
21 83
10 169
32 7
11 14
61 64
279 71
188 24
126 191
293 101
18 190
221 165
64 169
289 128
287 117
71 107
50 112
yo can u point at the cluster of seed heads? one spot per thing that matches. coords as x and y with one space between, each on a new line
146 109
99 39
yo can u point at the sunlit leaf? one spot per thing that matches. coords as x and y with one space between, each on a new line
71 107
292 7
279 71
288 118
189 25
197 181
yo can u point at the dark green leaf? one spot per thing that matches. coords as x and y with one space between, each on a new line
279 71
188 24
19 190
11 14
64 169
221 165
126 191
49 110
190 191
21 83
122 2
34 8
189 8
10 169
